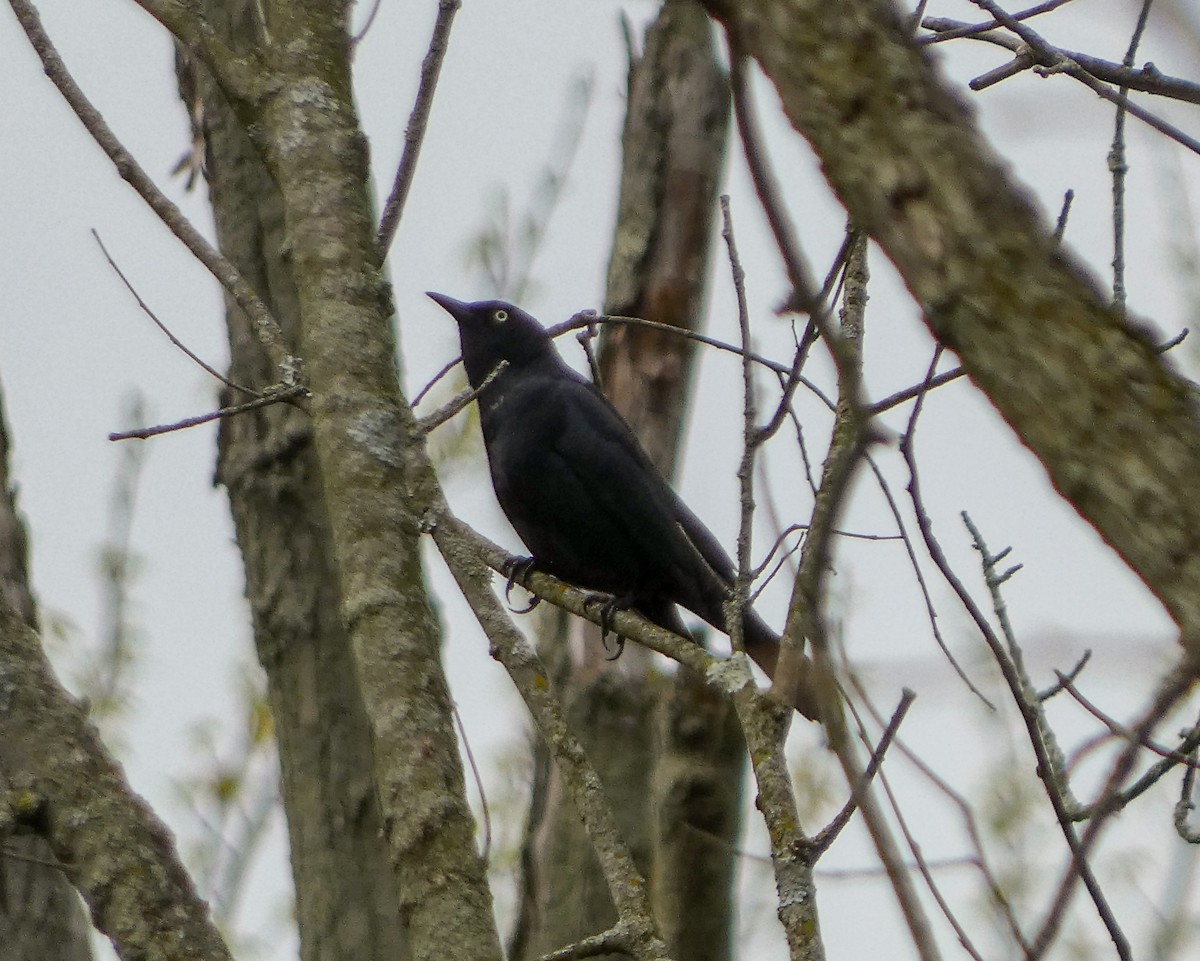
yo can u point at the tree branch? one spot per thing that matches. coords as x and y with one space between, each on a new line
1145 79
625 883
107 841
267 328
1123 445
414 133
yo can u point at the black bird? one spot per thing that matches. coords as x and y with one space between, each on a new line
579 490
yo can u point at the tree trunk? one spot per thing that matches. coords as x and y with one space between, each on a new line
668 790
346 899
41 916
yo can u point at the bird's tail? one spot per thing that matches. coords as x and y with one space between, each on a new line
762 644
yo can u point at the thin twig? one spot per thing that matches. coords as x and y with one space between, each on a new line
974 29
418 120
367 24
436 377
745 472
827 835
269 333
805 293
1035 725
1146 79
279 396
1173 342
586 338
805 619
930 610
459 402
1060 225
1050 59
916 390
999 899
1118 166
1175 756
163 327
484 810
585 317
918 857
1185 805
1071 675
1176 685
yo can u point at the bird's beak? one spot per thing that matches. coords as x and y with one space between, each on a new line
455 308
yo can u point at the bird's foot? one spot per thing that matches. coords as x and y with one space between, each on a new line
517 571
609 605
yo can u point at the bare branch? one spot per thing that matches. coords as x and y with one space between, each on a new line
107 841
930 610
1177 683
1119 168
975 29
265 325
745 473
1185 805
919 858
1052 60
277 395
830 832
1060 225
1145 79
418 120
625 884
1049 767
207 368
911 393
612 941
444 413
998 897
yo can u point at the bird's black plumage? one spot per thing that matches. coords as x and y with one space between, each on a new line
578 488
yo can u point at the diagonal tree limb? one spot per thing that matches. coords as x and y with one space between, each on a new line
107 841
230 278
1086 391
625 884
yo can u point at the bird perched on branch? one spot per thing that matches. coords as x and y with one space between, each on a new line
582 494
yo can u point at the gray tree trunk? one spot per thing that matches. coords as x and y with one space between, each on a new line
346 903
669 754
41 915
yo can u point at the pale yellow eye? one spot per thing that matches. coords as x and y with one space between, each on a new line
500 316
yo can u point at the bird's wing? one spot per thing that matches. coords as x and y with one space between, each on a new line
609 461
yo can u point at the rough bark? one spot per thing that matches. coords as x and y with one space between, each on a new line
64 786
673 151
345 894
696 806
1086 391
376 479
673 147
568 896
41 916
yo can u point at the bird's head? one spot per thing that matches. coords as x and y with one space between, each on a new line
491 331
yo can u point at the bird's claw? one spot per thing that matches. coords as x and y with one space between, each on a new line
517 571
609 605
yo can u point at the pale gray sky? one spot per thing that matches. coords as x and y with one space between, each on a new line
73 344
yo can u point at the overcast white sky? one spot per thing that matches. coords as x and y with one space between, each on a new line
73 345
